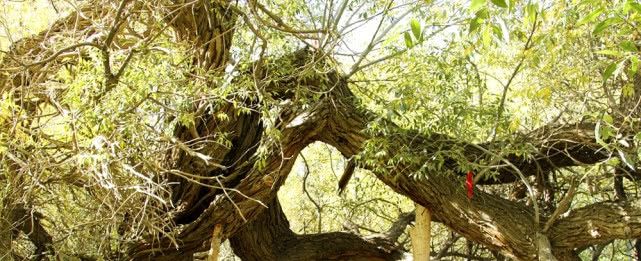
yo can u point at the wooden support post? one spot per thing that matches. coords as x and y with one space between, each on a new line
215 243
421 234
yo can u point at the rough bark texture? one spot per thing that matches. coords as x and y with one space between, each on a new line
269 237
23 66
596 224
209 28
497 223
252 183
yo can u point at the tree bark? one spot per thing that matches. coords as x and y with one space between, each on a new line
497 223
32 60
596 224
26 220
268 237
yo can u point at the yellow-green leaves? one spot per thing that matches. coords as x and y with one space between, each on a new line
478 20
634 65
591 16
416 28
609 52
504 32
613 69
408 40
627 90
486 36
476 5
6 104
545 94
633 6
628 46
608 71
500 3
531 11
605 24
187 119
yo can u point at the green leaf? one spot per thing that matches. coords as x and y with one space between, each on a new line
600 27
627 90
531 11
634 65
187 119
482 14
591 16
497 31
608 71
416 29
608 119
628 46
475 24
476 5
500 3
609 52
544 93
408 40
635 6
486 36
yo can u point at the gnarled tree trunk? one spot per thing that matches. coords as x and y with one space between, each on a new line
268 237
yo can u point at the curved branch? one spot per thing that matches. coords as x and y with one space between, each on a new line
319 208
482 219
27 56
597 224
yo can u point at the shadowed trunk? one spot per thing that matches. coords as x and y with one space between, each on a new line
27 221
269 237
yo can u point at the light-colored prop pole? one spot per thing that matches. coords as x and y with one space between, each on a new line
215 243
421 234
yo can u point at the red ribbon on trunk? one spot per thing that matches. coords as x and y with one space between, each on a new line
469 184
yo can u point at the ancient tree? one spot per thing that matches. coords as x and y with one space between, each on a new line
241 88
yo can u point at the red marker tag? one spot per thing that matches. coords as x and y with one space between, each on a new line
469 184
